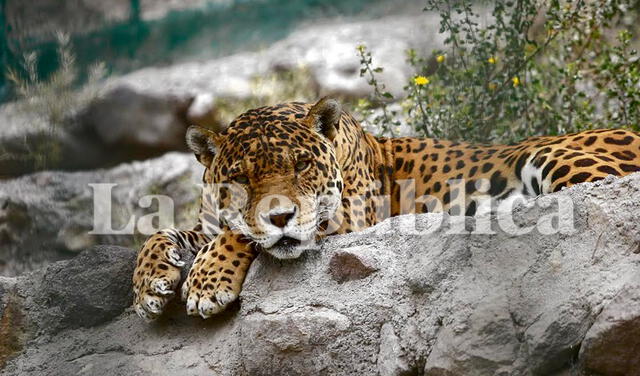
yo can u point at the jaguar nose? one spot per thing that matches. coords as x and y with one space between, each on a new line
281 219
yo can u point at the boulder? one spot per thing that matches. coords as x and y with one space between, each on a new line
440 296
48 216
136 125
139 124
78 296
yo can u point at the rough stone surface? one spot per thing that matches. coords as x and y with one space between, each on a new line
612 344
47 216
77 296
440 303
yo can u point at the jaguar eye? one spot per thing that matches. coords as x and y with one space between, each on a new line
301 165
241 179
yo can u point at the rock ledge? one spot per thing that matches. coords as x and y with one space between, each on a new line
434 304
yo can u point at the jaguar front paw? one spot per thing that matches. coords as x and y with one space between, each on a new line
156 277
216 277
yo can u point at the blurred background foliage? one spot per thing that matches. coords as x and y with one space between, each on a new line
517 68
130 34
507 69
54 54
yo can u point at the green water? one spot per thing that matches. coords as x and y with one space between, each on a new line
212 31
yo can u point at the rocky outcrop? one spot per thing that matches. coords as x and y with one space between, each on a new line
47 216
387 301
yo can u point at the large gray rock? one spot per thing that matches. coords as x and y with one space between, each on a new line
138 125
441 303
47 216
80 296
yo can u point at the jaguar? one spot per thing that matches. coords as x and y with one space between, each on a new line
280 178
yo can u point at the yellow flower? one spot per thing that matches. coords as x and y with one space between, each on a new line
529 49
492 86
421 80
440 58
516 81
491 60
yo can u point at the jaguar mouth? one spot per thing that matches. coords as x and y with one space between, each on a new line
286 241
287 248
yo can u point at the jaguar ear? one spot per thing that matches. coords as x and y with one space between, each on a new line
324 116
204 143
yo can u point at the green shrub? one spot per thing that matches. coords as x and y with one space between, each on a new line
532 68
